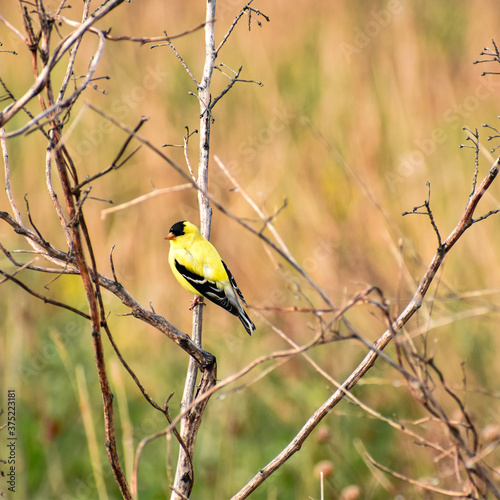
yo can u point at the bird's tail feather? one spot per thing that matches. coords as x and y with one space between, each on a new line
247 322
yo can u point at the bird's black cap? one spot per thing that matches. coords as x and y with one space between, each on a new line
178 228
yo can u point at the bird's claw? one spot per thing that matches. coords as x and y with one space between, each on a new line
196 302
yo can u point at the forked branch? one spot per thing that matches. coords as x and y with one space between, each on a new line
413 306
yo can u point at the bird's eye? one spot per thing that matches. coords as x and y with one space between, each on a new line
178 228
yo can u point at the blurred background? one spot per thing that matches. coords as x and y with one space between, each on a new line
362 103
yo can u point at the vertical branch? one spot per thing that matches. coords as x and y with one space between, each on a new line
8 188
92 299
75 229
205 122
205 118
191 421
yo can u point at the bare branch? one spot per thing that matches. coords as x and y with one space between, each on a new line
45 299
279 248
14 29
191 420
68 262
282 248
56 56
186 155
245 9
420 484
485 216
494 55
181 60
474 137
141 40
230 85
114 164
145 197
72 56
8 187
56 108
378 345
428 212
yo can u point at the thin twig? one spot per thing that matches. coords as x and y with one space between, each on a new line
56 56
413 306
28 213
53 196
56 108
145 197
279 248
14 29
72 56
136 39
368 409
420 484
428 212
242 12
285 252
8 187
69 266
114 164
186 155
181 60
45 299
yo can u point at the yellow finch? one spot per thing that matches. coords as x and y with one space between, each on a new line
197 266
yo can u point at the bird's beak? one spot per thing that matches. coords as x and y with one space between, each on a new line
170 236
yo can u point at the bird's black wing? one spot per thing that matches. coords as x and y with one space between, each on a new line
233 283
208 288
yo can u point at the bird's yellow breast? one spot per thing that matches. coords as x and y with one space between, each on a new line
198 256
